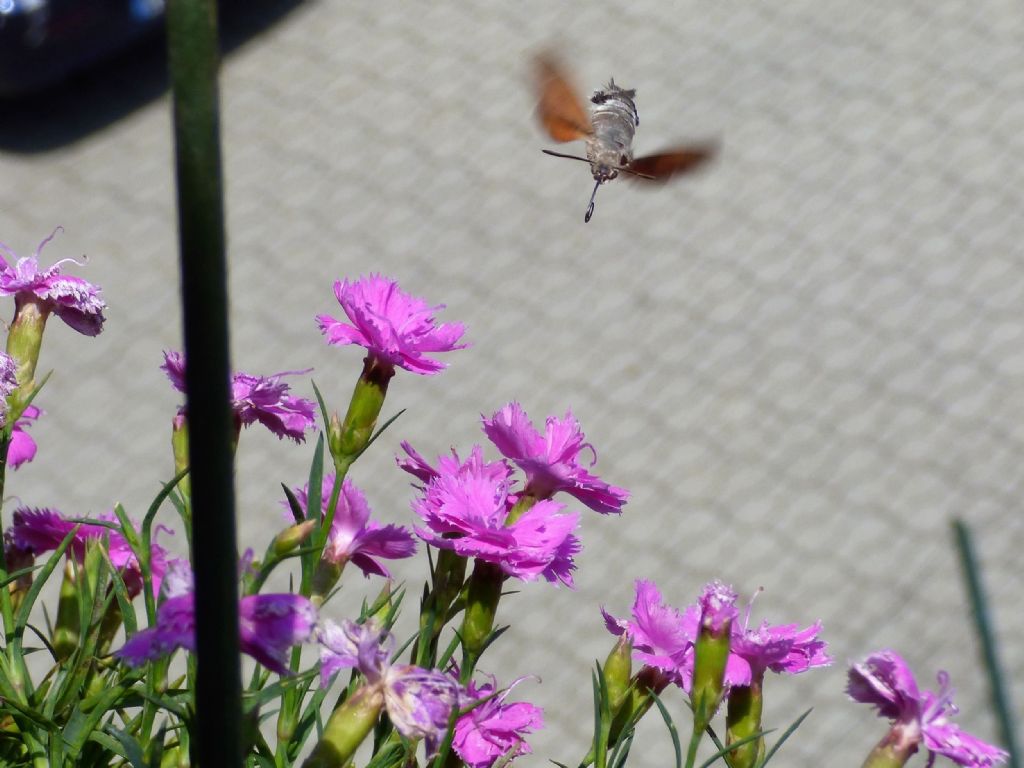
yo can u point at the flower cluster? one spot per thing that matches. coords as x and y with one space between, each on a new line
34 531
269 625
473 507
502 514
664 638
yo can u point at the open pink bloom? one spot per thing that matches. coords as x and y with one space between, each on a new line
257 398
885 681
494 729
72 299
551 460
465 508
663 637
783 648
269 625
418 701
395 328
22 448
35 531
417 466
353 535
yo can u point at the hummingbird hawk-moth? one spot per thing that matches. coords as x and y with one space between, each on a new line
607 128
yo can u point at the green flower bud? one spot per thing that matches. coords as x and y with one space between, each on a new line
293 537
481 606
346 729
348 438
617 670
743 719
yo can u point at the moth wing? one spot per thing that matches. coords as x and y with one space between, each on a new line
664 165
559 107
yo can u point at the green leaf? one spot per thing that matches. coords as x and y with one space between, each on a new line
601 724
672 730
326 417
86 716
15 575
314 494
621 751
723 750
122 744
785 735
293 503
380 431
998 681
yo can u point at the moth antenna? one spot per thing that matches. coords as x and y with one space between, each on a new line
568 157
590 208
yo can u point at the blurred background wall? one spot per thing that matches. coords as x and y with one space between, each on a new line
803 362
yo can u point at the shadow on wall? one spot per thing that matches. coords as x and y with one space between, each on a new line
102 92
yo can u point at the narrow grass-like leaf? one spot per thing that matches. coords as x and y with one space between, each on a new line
33 592
98 706
314 493
13 576
324 415
36 717
999 694
158 500
380 431
446 744
601 726
386 755
785 735
673 732
293 504
724 750
121 744
449 651
257 698
621 750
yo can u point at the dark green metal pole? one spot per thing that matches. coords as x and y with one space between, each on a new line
193 56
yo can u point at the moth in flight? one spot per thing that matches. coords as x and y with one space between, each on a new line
607 128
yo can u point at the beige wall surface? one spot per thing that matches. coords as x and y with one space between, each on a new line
803 362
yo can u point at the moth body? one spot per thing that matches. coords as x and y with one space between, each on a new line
607 128
613 120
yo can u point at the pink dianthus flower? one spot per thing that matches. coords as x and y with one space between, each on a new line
465 508
34 531
551 460
73 300
269 625
663 637
919 717
418 701
353 535
395 328
257 398
494 729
